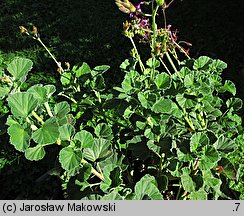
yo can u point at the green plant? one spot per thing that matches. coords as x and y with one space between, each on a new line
171 130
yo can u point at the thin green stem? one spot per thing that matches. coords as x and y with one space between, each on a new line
189 122
52 56
161 60
96 173
182 50
33 126
137 55
178 193
38 118
173 66
154 28
48 109
161 164
72 99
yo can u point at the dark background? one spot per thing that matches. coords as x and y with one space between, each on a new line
90 31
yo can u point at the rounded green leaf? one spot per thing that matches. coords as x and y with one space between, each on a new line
4 91
112 176
81 70
197 140
22 103
162 106
229 170
218 65
150 63
198 195
104 131
20 67
99 70
147 188
39 92
100 149
209 158
65 78
236 103
69 158
61 109
48 133
19 137
189 80
202 63
224 144
147 99
66 131
85 138
163 81
228 86
50 90
35 153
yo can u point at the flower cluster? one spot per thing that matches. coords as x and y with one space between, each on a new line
140 25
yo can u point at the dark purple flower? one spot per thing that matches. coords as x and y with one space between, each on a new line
138 9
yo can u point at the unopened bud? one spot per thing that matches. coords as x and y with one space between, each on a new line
34 30
23 29
125 6
132 8
126 25
67 64
160 2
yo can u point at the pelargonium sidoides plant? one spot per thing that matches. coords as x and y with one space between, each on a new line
171 130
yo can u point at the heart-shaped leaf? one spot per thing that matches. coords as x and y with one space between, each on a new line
236 103
50 90
112 176
151 64
228 86
209 158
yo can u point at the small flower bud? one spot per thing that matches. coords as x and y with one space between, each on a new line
126 25
160 2
67 64
132 8
34 30
125 6
23 29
